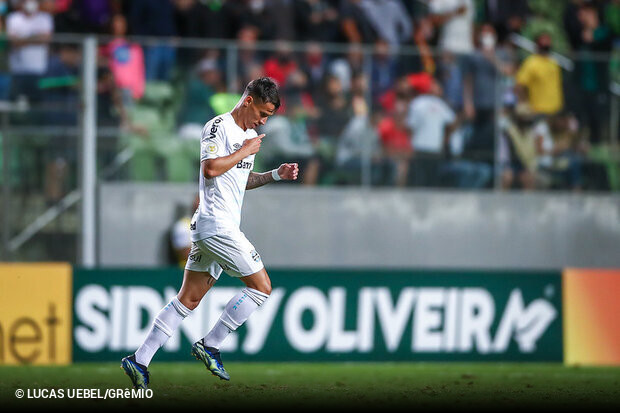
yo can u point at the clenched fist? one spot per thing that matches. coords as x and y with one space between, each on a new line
288 171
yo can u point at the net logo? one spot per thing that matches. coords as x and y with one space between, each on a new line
28 339
35 313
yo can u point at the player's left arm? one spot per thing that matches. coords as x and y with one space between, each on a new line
285 172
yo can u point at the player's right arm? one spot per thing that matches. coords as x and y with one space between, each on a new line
213 167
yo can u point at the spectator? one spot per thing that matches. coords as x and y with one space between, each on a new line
178 238
110 110
150 18
401 90
61 101
455 18
559 160
396 142
591 75
389 19
431 122
82 16
506 16
546 17
345 67
334 109
190 17
249 60
357 144
354 24
334 113
316 20
29 32
539 80
61 86
450 76
314 65
482 89
422 37
199 92
517 152
383 70
256 13
281 64
126 62
94 16
283 12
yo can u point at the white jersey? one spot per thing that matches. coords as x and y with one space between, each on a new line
221 197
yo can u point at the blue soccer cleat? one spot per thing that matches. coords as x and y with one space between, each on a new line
211 358
138 373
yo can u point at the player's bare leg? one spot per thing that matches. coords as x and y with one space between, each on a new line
195 286
237 311
258 281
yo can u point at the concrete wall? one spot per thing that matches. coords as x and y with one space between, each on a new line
293 226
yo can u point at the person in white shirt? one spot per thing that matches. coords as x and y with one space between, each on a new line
431 121
228 146
456 19
29 32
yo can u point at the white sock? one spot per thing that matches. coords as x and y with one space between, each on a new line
236 312
163 327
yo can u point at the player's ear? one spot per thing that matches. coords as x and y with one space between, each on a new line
248 101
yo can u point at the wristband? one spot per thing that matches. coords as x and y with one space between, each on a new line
275 175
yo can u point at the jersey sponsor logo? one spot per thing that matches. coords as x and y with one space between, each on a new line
195 257
244 165
212 147
213 129
255 255
237 146
192 226
224 266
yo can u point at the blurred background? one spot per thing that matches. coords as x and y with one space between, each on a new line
432 135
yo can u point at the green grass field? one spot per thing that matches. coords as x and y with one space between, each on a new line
300 386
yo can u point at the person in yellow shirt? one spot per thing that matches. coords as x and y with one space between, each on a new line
539 79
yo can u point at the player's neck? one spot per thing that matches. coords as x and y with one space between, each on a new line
236 114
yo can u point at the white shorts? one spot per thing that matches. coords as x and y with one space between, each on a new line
231 252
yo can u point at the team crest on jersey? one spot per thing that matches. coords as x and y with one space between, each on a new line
255 255
237 146
212 147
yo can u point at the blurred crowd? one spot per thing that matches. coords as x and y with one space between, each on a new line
427 93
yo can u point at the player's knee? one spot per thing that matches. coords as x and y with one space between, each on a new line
188 301
265 288
265 285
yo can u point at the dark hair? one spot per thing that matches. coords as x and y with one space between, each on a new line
265 89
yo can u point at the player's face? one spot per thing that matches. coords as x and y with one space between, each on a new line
258 112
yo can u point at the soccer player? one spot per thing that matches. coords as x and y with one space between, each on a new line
227 149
